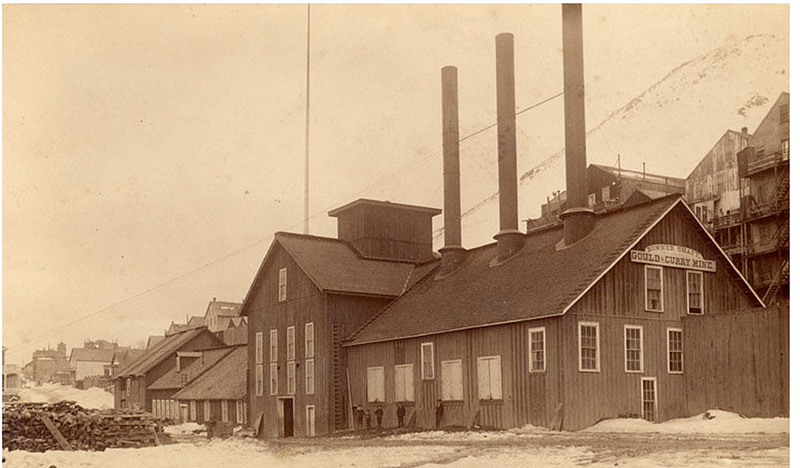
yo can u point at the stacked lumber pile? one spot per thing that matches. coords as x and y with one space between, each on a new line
38 427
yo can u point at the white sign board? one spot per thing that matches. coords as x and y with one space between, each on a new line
674 256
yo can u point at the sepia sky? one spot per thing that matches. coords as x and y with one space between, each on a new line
151 151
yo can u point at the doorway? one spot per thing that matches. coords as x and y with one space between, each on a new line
286 405
311 421
649 399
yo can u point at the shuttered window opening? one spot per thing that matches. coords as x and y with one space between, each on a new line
259 379
536 350
282 285
649 399
309 340
239 412
375 384
675 350
273 346
193 410
259 347
653 289
427 361
694 291
206 410
489 378
633 348
311 421
224 410
589 346
452 380
309 374
291 373
404 382
290 348
273 378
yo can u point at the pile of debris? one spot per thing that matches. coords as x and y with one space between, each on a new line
38 427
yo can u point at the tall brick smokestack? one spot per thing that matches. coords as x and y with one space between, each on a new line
509 239
452 252
578 219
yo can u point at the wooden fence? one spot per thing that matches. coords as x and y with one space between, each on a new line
738 362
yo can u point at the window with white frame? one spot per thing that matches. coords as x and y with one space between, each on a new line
273 378
675 350
633 348
309 373
273 346
592 200
193 410
404 382
536 350
259 379
291 373
206 410
128 387
224 410
653 288
309 340
290 348
452 380
375 384
694 291
490 383
589 345
259 348
427 361
282 285
240 412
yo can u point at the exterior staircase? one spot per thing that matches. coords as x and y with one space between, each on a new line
781 277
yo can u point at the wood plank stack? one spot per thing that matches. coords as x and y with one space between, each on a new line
84 429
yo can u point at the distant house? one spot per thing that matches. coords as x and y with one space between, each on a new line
191 324
132 382
218 314
189 365
153 340
47 364
235 332
122 357
219 394
86 362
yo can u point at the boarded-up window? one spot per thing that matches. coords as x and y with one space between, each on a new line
206 410
273 346
404 382
259 348
290 344
128 387
273 378
452 380
282 285
224 410
310 340
240 412
375 384
675 350
309 373
291 373
592 199
193 410
536 350
606 193
633 348
427 361
694 290
259 379
653 289
589 342
490 382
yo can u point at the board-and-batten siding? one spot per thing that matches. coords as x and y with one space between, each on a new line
618 299
527 398
304 303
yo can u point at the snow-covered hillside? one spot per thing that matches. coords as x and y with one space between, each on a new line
669 127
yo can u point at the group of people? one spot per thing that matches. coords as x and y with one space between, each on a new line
365 416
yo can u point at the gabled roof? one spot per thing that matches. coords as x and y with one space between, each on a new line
220 308
173 378
334 266
227 380
92 354
153 340
539 281
160 351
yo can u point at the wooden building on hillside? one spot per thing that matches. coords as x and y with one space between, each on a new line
132 382
309 294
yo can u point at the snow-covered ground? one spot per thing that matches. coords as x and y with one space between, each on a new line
93 398
727 440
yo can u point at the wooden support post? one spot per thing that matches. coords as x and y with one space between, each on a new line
48 423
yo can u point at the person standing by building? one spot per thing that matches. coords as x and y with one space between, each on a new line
401 414
368 417
379 416
359 417
439 414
